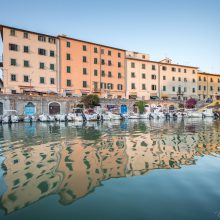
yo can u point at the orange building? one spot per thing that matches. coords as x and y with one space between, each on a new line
87 68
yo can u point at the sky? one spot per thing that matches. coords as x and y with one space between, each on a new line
187 31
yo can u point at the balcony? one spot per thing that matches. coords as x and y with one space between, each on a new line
96 90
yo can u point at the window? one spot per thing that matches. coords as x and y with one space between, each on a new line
153 87
153 67
211 80
95 85
102 51
51 40
200 79
84 59
103 62
52 53
95 50
13 77
164 88
119 64
84 48
42 66
68 69
179 79
143 76
25 35
68 44
119 55
143 86
95 61
26 63
164 68
132 85
193 90
218 89
173 78
179 70
13 62
199 87
120 87
193 71
204 87
95 72
164 77
185 79
84 71
174 89
109 62
218 80
204 79
52 81
132 75
194 80
26 78
153 76
143 66
12 32
26 49
13 91
185 71
68 56
84 84
41 38
109 52
41 51
185 89
13 47
110 86
68 82
119 75
103 73
211 88
52 66
42 80
103 85
173 69
109 74
132 65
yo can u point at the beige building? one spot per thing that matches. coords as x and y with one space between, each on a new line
208 86
151 79
30 61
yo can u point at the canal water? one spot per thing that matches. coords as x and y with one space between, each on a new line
111 170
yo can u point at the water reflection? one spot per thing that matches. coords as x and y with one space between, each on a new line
71 160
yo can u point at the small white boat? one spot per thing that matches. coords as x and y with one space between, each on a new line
43 118
91 115
145 115
208 112
133 115
194 114
10 116
30 118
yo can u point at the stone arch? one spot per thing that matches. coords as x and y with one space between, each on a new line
29 109
54 108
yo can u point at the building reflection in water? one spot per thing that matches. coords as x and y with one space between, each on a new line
57 159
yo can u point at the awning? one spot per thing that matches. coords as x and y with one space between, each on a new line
85 91
154 97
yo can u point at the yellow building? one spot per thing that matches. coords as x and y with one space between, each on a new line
208 86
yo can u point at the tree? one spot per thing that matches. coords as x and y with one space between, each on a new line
141 106
90 100
190 103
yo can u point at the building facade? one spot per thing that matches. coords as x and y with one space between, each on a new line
87 68
151 79
30 61
208 86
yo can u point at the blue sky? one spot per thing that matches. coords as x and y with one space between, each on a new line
187 31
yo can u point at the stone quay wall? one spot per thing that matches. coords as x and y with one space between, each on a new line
18 102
